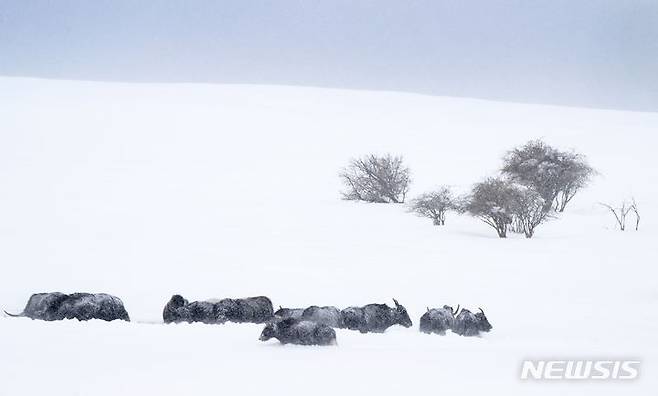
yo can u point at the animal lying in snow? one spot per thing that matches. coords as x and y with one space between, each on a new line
324 315
81 306
470 324
300 332
438 320
241 310
375 318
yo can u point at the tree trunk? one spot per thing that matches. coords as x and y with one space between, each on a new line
563 205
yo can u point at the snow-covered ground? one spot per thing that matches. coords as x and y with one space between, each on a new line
143 191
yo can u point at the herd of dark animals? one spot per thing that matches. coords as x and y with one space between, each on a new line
304 326
464 322
240 310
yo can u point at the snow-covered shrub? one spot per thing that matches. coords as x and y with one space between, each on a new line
528 210
492 201
500 203
434 205
372 178
556 175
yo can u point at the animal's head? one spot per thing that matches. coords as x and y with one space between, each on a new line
268 332
454 312
483 322
177 301
283 312
401 315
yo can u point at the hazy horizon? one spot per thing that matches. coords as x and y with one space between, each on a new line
592 53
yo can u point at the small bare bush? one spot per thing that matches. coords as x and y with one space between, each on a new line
492 202
621 212
528 208
434 205
372 178
502 204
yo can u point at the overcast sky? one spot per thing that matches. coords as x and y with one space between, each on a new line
599 53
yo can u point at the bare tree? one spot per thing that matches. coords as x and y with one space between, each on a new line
556 175
492 201
528 210
371 178
575 174
502 204
434 205
620 213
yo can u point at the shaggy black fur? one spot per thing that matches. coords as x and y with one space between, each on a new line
438 320
375 318
300 332
251 310
470 324
81 306
329 316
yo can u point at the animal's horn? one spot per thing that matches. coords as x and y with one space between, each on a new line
280 307
12 315
396 302
456 311
428 309
481 310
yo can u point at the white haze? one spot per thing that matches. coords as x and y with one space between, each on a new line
594 53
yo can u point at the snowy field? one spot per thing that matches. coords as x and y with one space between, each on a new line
143 191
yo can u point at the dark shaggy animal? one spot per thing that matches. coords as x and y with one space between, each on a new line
81 306
329 316
438 320
300 332
375 318
285 313
470 324
242 310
